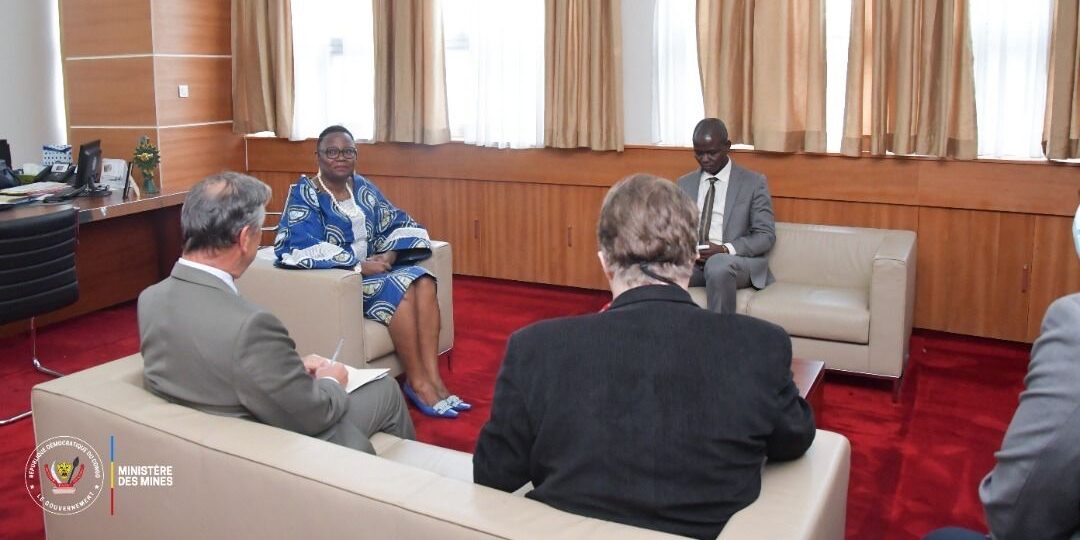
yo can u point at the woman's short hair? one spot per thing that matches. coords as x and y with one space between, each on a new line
648 219
219 207
330 130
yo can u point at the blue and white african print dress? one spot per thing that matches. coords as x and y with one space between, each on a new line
318 232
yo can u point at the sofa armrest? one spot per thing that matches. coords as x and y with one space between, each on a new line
319 307
441 263
804 499
892 303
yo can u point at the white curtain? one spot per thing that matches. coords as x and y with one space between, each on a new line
495 71
1010 40
334 67
677 81
837 38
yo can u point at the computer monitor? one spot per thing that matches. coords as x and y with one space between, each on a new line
5 153
89 170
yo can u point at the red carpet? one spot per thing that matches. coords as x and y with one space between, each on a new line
915 465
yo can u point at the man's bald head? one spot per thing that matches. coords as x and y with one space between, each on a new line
711 145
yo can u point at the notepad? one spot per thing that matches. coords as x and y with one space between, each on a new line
359 377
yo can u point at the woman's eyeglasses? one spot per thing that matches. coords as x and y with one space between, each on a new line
334 153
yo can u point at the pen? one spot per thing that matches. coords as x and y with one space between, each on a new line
337 351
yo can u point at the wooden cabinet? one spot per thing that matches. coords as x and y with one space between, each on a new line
1055 269
974 273
539 233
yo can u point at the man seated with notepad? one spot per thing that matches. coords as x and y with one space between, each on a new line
207 348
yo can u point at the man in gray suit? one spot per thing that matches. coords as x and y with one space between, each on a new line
206 347
737 228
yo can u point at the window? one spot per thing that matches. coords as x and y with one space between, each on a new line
1009 42
495 71
333 67
676 77
837 38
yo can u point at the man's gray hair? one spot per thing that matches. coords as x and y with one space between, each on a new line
647 219
219 207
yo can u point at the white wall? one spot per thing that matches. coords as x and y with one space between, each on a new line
31 94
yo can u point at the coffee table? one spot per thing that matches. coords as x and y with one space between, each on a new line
809 378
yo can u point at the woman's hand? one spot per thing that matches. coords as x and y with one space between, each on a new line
370 267
390 257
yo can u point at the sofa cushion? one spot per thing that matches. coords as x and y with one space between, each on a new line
815 311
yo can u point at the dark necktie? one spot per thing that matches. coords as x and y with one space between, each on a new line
706 213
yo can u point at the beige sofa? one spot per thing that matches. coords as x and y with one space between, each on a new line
238 479
846 295
319 307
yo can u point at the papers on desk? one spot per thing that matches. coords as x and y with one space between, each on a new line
359 377
11 201
36 188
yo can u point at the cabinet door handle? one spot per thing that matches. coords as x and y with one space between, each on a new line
476 229
570 237
1025 278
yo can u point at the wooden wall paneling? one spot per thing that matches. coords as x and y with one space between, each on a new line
189 154
1032 187
116 143
96 28
849 214
209 83
1055 268
110 92
971 272
807 176
192 26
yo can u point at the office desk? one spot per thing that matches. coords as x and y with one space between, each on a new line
124 246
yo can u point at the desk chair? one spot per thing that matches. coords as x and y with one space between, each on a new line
37 272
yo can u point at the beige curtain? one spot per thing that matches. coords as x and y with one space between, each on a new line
410 73
762 67
583 75
262 66
1061 129
911 79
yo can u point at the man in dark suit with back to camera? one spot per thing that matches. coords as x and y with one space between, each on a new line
737 228
205 347
654 413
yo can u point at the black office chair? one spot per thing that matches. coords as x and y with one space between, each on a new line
37 272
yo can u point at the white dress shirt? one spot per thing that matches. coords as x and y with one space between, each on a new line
716 226
216 272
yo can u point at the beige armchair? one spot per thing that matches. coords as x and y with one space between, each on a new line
846 295
319 307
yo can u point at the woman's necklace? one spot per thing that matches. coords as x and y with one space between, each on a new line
333 199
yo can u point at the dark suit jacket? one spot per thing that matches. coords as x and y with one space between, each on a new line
749 224
655 413
206 347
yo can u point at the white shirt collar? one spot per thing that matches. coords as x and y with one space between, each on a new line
722 175
216 272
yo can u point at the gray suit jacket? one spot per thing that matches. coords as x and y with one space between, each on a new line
206 347
1034 490
749 224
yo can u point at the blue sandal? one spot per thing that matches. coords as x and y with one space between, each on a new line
441 409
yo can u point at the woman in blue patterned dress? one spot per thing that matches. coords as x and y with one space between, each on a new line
340 220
